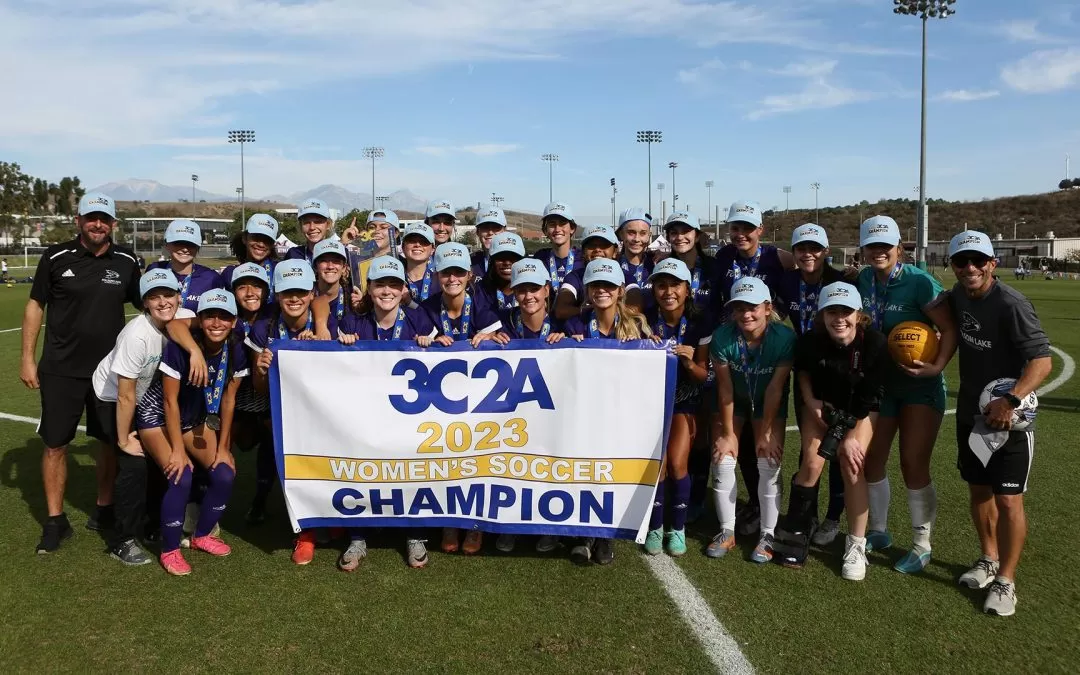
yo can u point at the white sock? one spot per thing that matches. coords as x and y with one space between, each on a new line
923 505
879 505
724 491
769 494
858 541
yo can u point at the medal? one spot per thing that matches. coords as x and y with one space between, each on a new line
750 370
213 422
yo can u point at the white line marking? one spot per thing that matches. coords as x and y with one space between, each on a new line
1068 368
719 646
28 420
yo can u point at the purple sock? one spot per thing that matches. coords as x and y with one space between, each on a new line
173 505
656 520
682 500
217 495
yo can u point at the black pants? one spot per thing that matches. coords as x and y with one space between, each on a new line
836 478
129 496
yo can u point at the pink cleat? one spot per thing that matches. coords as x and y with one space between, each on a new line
212 545
174 563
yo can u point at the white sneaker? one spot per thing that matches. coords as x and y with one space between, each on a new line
1001 598
981 573
854 568
826 533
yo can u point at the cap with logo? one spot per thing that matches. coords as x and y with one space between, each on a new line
262 223
601 231
439 207
745 212
420 230
182 230
217 299
529 271
329 246
672 267
810 233
841 294
293 275
684 217
313 206
386 267
96 202
751 290
973 241
507 242
879 230
605 270
634 213
157 278
558 209
383 216
450 255
491 215
250 271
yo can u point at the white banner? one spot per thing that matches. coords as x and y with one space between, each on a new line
563 439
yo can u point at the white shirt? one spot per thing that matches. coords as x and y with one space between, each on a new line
4 269
136 355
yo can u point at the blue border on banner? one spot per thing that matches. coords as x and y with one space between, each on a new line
670 375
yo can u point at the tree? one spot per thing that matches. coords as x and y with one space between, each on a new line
16 190
1076 183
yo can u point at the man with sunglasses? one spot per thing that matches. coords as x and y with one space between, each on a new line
1000 337
85 284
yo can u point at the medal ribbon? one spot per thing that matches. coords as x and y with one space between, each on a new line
184 287
750 369
466 319
399 325
420 290
807 305
637 270
519 326
675 338
751 267
212 392
283 330
553 269
594 325
504 303
878 304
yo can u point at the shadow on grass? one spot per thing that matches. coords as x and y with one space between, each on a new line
20 469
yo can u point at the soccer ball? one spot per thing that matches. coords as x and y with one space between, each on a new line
912 341
1024 416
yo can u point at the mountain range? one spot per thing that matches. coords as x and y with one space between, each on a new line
337 197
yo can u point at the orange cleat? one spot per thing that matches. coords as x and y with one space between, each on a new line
304 549
450 540
474 541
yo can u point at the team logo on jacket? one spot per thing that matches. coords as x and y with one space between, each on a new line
969 324
112 277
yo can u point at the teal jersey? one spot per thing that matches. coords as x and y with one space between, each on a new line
904 298
777 348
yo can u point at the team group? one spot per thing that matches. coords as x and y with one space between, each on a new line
176 389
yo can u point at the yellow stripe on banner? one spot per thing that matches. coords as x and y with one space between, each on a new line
536 468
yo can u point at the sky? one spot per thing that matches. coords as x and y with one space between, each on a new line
466 95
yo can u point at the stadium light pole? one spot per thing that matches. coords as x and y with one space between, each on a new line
382 201
373 153
663 209
242 136
550 159
815 187
674 197
650 137
194 179
614 191
709 216
924 10
496 200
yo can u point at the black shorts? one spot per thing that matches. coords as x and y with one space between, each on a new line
1007 471
63 400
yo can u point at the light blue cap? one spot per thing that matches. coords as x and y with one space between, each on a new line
839 293
96 202
751 290
529 271
293 275
507 242
558 209
971 241
217 298
672 267
316 206
634 213
157 278
250 271
603 269
491 214
452 254
183 231
879 230
383 216
262 223
328 246
745 212
810 233
601 231
684 217
439 207
386 267
421 230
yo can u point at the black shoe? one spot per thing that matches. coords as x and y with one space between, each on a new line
582 551
256 515
152 533
130 553
56 530
603 552
104 518
794 550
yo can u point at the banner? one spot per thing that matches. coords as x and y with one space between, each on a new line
563 439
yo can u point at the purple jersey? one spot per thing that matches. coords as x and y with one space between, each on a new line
583 325
425 287
694 332
765 265
574 283
798 300
482 316
517 330
480 263
495 298
264 331
175 363
410 323
192 286
302 252
557 267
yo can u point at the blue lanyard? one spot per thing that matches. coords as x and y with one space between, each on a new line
283 331
675 338
751 267
340 302
519 327
807 305
420 290
504 303
750 369
637 270
594 325
553 269
399 325
269 267
212 393
878 304
184 287
466 319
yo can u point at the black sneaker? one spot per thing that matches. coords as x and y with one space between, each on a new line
130 553
582 551
56 530
104 518
152 533
603 552
256 515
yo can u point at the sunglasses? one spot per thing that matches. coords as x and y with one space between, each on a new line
961 261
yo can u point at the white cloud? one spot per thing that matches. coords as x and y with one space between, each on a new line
1024 30
1044 71
482 149
807 69
698 75
818 94
967 95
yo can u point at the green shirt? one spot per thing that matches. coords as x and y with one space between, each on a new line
905 296
776 349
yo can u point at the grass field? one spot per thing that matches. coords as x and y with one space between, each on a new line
78 610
